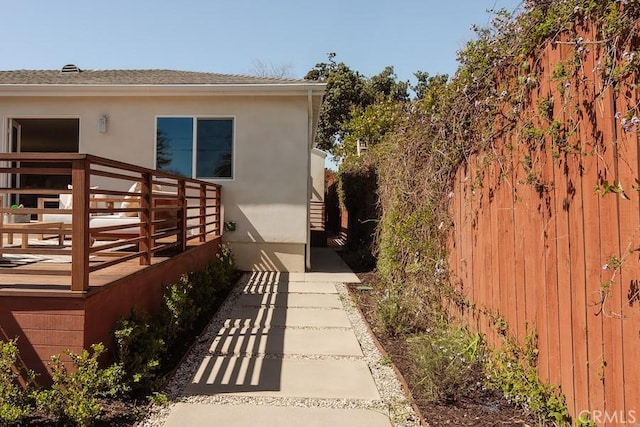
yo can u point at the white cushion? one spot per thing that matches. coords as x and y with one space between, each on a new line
131 202
51 217
66 200
109 220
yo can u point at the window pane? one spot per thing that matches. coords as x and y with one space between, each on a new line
174 145
215 148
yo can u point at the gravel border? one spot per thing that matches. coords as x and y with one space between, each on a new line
393 401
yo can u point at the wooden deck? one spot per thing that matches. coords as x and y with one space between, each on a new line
68 290
53 278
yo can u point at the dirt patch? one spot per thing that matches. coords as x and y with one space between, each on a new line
480 408
115 413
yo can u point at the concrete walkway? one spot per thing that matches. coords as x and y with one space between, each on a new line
281 352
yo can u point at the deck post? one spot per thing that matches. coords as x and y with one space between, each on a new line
146 217
182 215
203 213
80 235
219 209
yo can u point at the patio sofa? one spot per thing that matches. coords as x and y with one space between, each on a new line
160 198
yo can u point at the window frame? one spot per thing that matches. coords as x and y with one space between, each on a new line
194 142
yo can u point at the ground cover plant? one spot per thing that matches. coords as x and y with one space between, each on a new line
85 393
443 367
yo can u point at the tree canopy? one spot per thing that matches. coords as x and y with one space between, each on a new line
349 94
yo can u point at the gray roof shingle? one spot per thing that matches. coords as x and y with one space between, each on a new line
134 77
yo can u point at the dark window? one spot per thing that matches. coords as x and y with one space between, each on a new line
178 138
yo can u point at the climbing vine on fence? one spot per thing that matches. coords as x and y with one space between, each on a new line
496 95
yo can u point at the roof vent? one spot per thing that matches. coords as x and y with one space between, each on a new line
70 68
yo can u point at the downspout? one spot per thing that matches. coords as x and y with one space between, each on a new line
309 143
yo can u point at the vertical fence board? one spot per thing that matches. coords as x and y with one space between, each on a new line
520 246
563 251
628 221
455 252
496 251
590 202
467 236
484 245
533 247
473 237
487 254
631 288
566 92
548 339
505 230
610 250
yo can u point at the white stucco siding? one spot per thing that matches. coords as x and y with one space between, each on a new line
267 197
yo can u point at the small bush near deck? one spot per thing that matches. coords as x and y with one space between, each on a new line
73 396
447 362
180 310
147 347
15 403
140 349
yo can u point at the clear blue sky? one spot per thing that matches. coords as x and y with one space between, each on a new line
228 36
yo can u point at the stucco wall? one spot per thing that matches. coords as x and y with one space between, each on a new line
267 198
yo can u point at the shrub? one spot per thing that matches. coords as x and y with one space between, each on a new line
447 362
205 292
145 347
181 310
139 349
222 271
392 312
190 302
512 369
73 396
14 400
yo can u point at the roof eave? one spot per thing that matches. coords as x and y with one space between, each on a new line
161 90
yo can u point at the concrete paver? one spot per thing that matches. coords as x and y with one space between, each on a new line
290 300
320 277
259 416
288 341
288 317
292 287
259 376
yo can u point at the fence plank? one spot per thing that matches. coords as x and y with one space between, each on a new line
628 221
565 91
610 251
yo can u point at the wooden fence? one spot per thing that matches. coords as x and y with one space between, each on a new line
546 235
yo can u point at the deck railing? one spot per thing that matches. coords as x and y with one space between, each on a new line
317 215
118 212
